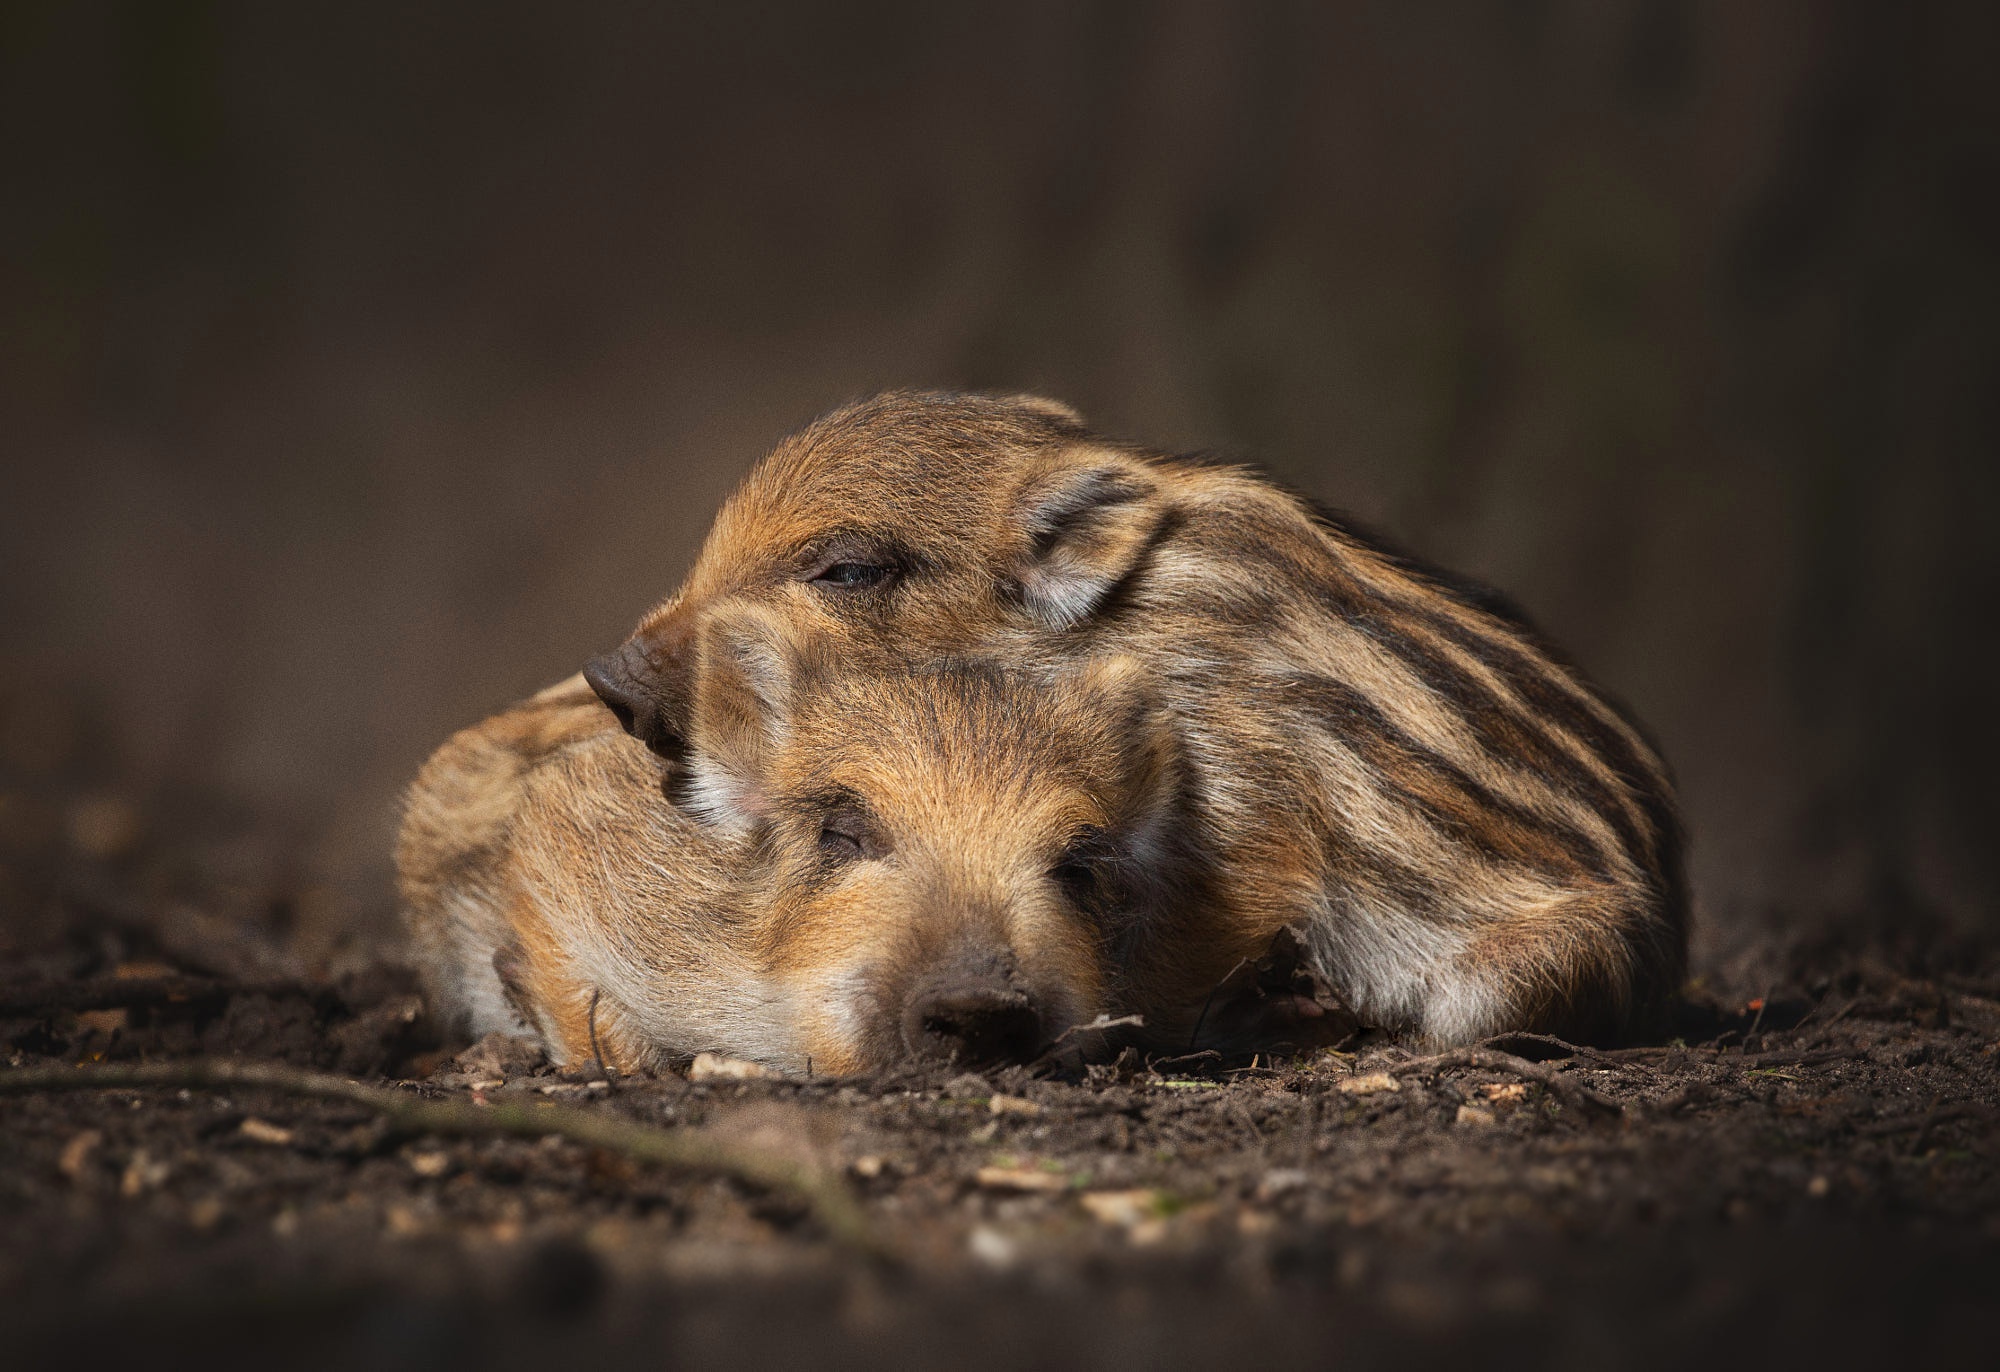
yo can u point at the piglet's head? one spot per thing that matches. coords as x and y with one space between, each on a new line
945 859
929 523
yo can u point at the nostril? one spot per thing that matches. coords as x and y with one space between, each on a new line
629 697
607 679
974 1026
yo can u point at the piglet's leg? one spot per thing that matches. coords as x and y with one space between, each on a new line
579 1027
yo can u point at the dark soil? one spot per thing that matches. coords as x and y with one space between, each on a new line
1809 1178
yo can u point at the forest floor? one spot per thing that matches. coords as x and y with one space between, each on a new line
1806 1175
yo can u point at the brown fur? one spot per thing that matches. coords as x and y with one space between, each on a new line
880 838
1473 838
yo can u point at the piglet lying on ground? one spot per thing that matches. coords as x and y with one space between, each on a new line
946 860
1466 836
1471 837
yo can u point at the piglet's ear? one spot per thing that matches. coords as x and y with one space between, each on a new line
1054 411
1121 692
746 674
1085 527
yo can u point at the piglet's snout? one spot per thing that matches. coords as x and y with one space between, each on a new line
631 681
976 1021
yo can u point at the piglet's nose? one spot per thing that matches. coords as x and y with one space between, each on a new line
623 680
977 1023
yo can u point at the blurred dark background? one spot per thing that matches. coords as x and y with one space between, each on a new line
366 366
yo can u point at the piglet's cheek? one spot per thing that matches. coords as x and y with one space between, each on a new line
832 1054
834 1008
1064 963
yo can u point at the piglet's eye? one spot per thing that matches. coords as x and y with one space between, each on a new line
853 576
1077 877
1080 869
846 836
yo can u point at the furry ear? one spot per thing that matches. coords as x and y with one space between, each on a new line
1120 691
1085 526
746 673
1053 410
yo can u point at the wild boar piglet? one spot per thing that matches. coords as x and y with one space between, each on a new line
1472 838
887 860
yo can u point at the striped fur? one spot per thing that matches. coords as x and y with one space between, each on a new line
552 890
1476 839
1471 837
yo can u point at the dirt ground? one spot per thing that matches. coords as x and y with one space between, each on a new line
1802 1175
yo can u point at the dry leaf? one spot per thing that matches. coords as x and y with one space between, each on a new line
1367 1084
715 1067
258 1131
1021 1179
1126 1209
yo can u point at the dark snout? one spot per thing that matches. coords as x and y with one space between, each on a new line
974 1020
630 681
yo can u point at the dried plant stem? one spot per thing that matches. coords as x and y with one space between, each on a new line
1566 1088
824 1193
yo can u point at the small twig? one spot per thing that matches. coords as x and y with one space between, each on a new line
596 1052
1563 1047
1762 1002
1202 1018
1694 1093
822 1192
1101 1022
1644 1053
1571 1091
1820 1005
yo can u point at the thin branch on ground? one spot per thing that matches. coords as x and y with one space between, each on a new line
1763 1003
1820 1005
1566 1088
1562 1048
1206 1005
1614 1057
824 1194
1098 1025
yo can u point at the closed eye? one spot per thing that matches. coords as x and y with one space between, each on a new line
838 846
1080 869
853 576
846 834
1078 878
